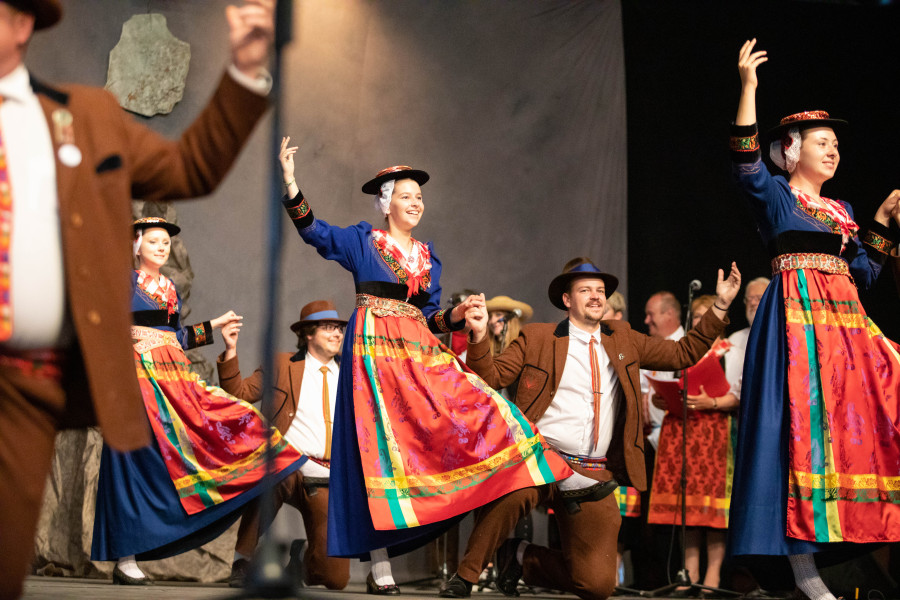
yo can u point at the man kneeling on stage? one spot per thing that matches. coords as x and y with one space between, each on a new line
302 408
579 382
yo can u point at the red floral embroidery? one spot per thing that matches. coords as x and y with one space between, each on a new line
162 292
414 270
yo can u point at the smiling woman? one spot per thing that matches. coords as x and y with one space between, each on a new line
418 438
826 472
206 460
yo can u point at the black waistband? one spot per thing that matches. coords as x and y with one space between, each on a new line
154 318
818 242
394 291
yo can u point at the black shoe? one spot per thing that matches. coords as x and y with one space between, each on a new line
392 589
120 578
509 571
573 498
455 587
295 567
685 593
239 570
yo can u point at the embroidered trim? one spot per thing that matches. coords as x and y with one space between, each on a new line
199 334
440 320
163 292
878 242
745 144
388 307
827 263
585 462
837 218
35 364
320 461
298 212
146 339
416 277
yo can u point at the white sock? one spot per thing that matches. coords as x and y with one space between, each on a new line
806 575
576 481
128 566
381 567
238 556
520 552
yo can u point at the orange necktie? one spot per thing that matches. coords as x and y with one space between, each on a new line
6 217
326 411
595 387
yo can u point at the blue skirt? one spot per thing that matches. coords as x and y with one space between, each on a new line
139 513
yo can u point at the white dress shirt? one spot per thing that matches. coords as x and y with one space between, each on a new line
734 360
568 423
657 414
307 430
37 279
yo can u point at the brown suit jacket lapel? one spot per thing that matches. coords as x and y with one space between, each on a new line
66 177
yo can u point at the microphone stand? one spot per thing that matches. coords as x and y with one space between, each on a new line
266 577
683 577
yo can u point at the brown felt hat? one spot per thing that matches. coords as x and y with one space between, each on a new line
46 12
317 311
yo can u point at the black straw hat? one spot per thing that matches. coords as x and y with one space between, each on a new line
151 222
373 186
807 119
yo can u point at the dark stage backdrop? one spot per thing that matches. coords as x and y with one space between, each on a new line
516 109
686 217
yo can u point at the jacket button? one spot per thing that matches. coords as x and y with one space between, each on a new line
93 317
551 393
76 220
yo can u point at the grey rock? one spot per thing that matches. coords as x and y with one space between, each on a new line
148 67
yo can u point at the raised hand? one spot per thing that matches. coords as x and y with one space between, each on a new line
286 158
252 30
727 289
230 333
748 61
477 320
888 208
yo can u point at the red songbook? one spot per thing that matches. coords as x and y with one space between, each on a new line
708 373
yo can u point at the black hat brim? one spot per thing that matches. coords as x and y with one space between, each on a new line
373 186
561 282
170 228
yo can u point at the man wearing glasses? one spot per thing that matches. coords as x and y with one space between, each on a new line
303 414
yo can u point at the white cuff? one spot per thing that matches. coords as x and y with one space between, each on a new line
261 84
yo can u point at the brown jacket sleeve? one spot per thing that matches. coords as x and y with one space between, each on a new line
667 355
501 371
196 163
230 380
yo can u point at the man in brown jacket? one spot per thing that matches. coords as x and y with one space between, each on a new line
586 403
70 162
303 380
303 418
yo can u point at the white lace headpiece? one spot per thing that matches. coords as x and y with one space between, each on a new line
383 199
786 157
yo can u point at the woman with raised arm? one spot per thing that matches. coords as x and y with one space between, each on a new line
207 459
418 438
819 444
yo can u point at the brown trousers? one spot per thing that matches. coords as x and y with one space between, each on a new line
30 412
586 565
321 569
